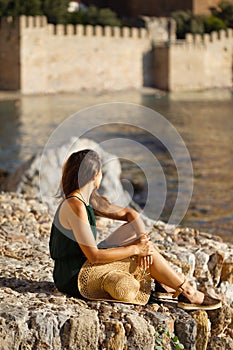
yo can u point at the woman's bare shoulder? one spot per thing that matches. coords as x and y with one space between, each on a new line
73 205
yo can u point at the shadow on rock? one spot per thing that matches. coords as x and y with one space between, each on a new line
28 286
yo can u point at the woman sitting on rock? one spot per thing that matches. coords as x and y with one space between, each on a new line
119 268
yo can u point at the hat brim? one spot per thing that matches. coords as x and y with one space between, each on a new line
91 276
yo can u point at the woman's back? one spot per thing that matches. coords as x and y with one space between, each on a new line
65 250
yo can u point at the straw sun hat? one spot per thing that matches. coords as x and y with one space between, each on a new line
118 281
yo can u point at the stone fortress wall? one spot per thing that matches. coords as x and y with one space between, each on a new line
198 62
48 58
37 57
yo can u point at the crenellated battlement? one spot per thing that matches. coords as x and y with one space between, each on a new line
198 62
39 57
40 22
214 37
23 22
81 30
52 58
33 22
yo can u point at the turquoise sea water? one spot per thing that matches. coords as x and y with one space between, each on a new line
203 119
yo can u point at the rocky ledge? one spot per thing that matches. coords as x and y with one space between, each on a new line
34 315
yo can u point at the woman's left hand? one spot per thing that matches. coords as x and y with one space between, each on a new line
144 262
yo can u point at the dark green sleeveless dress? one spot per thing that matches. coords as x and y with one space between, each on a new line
67 254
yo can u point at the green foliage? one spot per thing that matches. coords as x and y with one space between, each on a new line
188 23
3 7
224 12
220 18
197 25
161 331
183 23
213 23
108 17
93 16
20 7
175 341
31 7
56 12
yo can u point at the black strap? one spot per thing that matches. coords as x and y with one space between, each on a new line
77 198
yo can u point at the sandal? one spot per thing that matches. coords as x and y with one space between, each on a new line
161 295
208 303
179 290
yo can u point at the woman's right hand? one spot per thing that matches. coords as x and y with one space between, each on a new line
144 246
145 251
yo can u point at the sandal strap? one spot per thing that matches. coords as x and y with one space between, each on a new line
179 290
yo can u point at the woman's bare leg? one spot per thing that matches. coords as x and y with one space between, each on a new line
160 269
123 235
163 272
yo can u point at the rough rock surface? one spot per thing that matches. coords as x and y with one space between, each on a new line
201 319
34 315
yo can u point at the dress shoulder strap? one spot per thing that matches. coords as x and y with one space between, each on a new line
77 198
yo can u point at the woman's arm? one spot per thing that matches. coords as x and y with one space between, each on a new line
105 209
77 220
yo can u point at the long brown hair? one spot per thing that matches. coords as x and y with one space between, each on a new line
80 168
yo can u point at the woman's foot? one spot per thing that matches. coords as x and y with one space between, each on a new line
192 299
193 295
208 303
